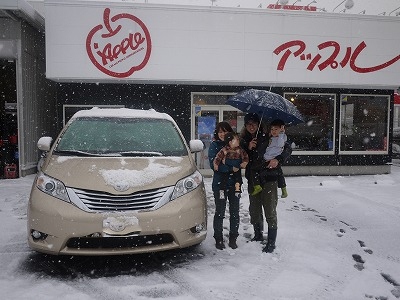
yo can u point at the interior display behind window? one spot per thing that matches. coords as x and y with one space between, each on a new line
207 110
396 131
396 116
363 122
316 134
210 98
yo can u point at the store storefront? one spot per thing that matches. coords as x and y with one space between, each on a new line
345 132
27 99
339 70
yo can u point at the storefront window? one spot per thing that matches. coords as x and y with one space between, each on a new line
363 122
207 110
210 98
396 131
396 116
316 134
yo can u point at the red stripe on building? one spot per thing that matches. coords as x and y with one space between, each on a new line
397 99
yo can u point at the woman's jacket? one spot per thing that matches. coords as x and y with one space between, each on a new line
223 169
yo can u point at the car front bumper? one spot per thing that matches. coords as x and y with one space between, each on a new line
68 230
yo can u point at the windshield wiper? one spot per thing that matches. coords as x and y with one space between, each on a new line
125 153
140 153
75 153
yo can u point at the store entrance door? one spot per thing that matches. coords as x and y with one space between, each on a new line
204 120
8 121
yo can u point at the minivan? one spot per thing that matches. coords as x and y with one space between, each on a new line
117 181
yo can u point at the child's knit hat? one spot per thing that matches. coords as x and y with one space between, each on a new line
229 136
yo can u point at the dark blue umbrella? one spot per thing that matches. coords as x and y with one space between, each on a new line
267 105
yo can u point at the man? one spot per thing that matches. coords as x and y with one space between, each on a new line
267 200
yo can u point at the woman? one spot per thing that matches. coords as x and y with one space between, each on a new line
223 194
267 200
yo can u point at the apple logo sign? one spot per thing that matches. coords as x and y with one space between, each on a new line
120 46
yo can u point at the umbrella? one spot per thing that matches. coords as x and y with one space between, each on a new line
267 105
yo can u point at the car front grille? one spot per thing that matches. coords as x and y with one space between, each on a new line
100 201
120 242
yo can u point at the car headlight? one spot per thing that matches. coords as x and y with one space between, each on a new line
52 187
187 185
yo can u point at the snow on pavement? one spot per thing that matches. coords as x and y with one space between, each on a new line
338 238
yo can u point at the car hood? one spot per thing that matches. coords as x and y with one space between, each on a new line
108 174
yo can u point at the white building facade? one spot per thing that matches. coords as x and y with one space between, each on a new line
339 70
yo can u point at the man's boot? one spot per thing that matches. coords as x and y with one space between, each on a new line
258 232
232 242
270 247
219 243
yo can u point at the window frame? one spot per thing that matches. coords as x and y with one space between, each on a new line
318 152
367 152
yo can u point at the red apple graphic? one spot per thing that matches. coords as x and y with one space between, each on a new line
120 46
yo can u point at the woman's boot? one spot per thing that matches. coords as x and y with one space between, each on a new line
219 243
270 247
232 242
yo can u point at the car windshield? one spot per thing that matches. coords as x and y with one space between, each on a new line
121 137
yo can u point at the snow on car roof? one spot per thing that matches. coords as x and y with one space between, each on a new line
122 113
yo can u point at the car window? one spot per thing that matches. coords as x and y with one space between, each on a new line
123 136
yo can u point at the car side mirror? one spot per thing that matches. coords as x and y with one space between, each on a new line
196 146
44 143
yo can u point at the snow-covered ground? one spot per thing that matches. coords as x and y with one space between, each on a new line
338 238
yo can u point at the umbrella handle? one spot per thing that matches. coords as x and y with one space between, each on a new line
259 124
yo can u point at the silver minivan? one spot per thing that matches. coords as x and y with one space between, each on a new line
117 181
